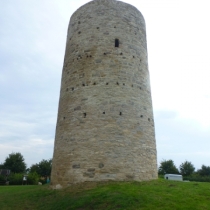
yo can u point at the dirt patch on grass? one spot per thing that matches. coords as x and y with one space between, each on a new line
172 185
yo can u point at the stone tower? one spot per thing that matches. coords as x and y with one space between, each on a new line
105 126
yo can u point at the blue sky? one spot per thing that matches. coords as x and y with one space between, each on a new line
32 44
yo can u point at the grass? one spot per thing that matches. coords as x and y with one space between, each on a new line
158 194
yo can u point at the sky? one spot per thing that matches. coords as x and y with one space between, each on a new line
32 45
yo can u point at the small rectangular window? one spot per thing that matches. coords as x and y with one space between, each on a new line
117 43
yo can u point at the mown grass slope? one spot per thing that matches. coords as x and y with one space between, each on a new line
159 194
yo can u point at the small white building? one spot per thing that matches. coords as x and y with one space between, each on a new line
174 177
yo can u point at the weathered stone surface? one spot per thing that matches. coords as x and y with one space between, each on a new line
105 126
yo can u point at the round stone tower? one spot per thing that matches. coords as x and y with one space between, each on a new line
105 127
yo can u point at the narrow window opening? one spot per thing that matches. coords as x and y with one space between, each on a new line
107 83
141 116
133 56
97 27
64 118
94 83
72 89
121 53
83 84
149 119
104 53
104 113
131 85
140 88
117 43
90 56
79 32
120 113
123 83
84 115
117 83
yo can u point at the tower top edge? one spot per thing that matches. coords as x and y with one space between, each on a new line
108 3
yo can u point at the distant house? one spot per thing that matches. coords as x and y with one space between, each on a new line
5 173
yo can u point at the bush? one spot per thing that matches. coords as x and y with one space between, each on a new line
15 179
197 178
160 176
2 178
33 178
43 181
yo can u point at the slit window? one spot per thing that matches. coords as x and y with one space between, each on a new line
117 43
120 113
84 115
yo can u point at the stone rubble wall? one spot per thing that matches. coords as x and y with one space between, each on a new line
105 126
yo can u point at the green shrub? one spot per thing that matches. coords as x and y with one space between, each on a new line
197 178
2 178
33 178
160 176
15 179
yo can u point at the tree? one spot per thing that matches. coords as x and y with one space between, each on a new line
43 168
167 167
186 168
204 171
1 165
15 162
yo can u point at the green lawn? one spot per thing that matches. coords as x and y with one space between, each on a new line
159 194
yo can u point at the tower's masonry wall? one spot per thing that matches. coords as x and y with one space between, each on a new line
105 126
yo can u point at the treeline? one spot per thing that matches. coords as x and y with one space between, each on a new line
40 172
15 162
186 169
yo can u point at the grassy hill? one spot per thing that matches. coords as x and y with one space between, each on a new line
159 194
